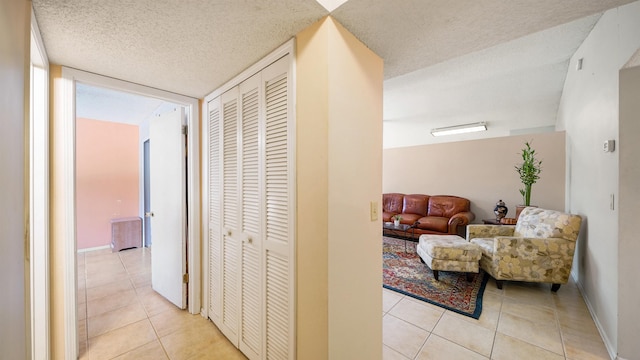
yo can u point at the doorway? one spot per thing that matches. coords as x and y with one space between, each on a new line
66 164
112 264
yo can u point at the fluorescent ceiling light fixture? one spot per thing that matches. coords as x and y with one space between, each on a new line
459 129
331 5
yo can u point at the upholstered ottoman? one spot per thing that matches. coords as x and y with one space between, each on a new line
449 253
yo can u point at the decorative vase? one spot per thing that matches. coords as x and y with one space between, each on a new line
500 210
396 222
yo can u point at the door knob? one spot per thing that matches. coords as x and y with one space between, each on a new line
148 214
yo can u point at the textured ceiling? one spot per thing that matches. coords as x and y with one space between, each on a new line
192 47
186 47
413 34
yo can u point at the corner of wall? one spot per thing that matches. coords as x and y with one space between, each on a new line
331 65
312 192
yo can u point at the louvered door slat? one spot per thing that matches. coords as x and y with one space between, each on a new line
230 164
251 298
250 168
251 310
277 307
276 154
215 254
230 289
230 244
277 206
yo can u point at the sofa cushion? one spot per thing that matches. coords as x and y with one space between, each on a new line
387 216
392 203
415 204
435 223
409 219
449 247
486 245
447 206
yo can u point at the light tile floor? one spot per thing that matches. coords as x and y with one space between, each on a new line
521 321
121 317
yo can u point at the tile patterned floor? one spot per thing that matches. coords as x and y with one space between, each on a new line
522 321
121 317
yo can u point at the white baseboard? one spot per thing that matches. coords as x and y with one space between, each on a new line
94 248
611 349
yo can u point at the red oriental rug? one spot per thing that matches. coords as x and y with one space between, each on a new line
403 272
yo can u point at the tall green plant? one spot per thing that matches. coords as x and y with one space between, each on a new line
529 172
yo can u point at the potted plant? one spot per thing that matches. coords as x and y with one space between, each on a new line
396 219
529 172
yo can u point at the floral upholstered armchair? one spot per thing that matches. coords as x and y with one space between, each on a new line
539 248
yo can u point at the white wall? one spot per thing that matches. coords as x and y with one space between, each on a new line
589 113
14 87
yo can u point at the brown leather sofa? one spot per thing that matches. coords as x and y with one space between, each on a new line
437 214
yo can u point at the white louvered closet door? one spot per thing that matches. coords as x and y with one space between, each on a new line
278 212
231 237
251 194
251 204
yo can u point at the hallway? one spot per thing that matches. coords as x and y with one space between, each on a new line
121 317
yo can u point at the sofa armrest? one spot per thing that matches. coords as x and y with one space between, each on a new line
488 231
462 218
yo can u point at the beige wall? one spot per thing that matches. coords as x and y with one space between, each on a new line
479 170
312 194
14 101
339 266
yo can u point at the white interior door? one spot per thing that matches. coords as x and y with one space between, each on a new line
168 230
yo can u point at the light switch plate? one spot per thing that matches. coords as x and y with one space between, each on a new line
374 210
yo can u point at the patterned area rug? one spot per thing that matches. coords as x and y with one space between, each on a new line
405 273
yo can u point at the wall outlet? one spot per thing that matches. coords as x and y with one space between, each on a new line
374 210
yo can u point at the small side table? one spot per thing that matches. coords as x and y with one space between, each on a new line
402 227
491 222
495 222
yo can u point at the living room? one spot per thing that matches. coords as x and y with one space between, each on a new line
596 104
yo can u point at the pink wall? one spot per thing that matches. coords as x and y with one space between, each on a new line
107 178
